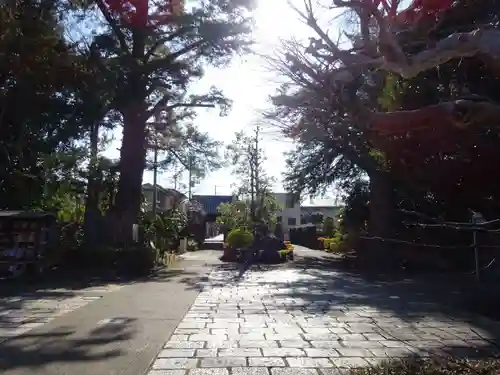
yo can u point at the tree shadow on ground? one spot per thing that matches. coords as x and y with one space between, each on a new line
458 294
61 345
21 306
75 280
424 319
404 307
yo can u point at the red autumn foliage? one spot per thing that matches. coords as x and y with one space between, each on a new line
416 11
142 13
424 119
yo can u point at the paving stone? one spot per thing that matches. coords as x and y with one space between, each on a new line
294 344
392 343
260 331
258 344
221 344
225 325
191 331
374 336
181 338
240 352
293 371
327 344
308 362
284 336
250 325
192 324
320 331
176 353
167 372
352 362
352 337
297 314
174 363
223 362
321 337
326 353
332 371
209 371
205 337
203 353
266 361
185 344
354 352
250 337
249 371
282 352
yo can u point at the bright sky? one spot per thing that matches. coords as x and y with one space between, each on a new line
249 86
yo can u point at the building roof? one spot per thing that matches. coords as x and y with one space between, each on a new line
167 191
211 202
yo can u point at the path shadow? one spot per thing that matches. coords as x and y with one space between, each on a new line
62 345
406 309
18 302
456 294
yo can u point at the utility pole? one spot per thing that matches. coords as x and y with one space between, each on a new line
155 173
175 181
190 176
215 193
155 166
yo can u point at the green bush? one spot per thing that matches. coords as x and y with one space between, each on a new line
136 259
286 254
433 367
239 237
339 242
192 245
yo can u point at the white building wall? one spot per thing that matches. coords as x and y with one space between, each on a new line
287 212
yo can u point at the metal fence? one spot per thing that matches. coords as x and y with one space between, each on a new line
475 227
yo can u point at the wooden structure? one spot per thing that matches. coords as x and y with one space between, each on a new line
24 241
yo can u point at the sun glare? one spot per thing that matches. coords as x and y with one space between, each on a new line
275 19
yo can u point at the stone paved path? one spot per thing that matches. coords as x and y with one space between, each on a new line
20 314
301 321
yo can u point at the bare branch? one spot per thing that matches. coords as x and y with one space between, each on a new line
483 42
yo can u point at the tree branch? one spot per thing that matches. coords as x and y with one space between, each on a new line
392 58
162 41
459 113
161 105
158 63
114 26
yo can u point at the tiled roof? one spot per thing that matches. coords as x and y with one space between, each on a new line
166 191
211 202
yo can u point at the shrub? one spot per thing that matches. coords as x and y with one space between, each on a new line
137 259
286 254
239 237
335 244
192 245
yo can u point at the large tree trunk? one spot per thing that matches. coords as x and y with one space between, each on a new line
132 165
381 221
92 213
381 204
